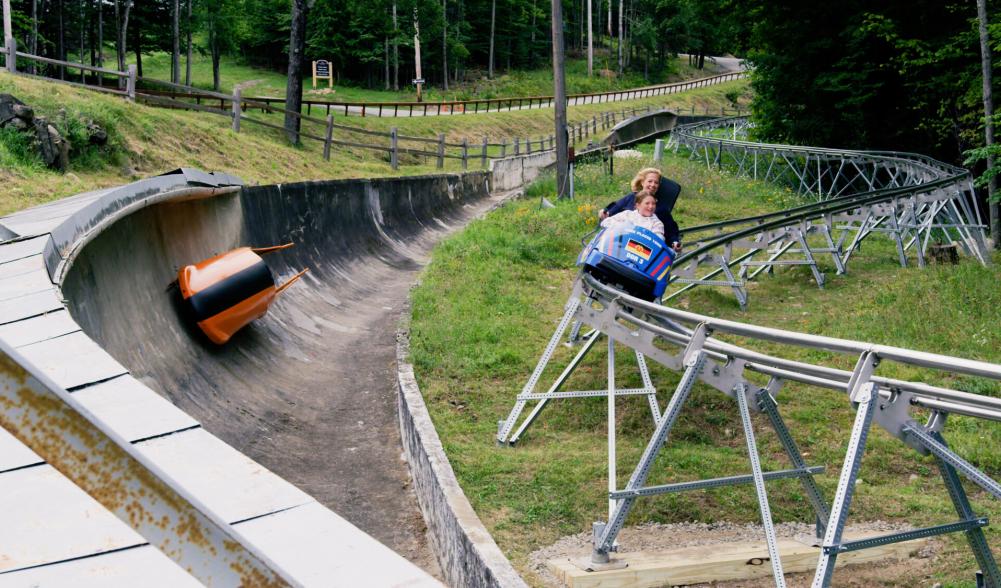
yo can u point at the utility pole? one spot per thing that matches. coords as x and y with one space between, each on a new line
985 63
560 99
418 80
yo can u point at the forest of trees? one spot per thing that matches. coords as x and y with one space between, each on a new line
891 75
370 42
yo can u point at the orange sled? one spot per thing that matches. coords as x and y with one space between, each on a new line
226 292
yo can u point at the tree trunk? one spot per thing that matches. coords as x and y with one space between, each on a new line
62 42
137 33
396 51
493 22
532 46
214 50
100 33
187 61
609 24
83 39
621 25
385 42
985 63
34 35
293 91
123 29
590 42
175 54
444 43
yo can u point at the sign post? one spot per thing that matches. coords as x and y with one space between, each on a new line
321 71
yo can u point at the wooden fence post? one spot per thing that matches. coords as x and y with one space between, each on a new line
237 110
465 153
528 145
130 83
504 148
441 150
517 146
394 158
11 49
328 137
483 157
594 125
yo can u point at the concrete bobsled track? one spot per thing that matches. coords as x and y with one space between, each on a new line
309 392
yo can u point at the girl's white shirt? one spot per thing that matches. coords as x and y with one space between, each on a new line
634 218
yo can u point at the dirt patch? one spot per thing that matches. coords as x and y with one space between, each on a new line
652 537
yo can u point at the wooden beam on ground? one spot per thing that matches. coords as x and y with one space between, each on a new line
716 563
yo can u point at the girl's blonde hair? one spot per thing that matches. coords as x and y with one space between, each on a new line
641 175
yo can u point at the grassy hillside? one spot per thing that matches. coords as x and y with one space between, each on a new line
505 84
145 141
493 294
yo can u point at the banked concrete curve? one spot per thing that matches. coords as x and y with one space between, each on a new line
293 420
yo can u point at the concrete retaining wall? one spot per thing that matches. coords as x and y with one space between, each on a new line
514 172
466 552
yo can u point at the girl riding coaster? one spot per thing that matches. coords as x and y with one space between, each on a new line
629 251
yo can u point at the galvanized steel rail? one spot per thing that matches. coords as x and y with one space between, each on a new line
909 197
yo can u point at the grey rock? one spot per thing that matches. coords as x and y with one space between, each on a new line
24 112
96 134
7 105
52 147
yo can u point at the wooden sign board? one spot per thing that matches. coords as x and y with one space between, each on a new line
321 71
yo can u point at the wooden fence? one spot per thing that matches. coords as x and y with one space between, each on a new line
410 109
391 145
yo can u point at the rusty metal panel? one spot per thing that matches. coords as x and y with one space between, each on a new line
39 328
140 566
22 307
56 426
13 454
132 410
299 540
40 504
227 482
123 404
73 360
19 249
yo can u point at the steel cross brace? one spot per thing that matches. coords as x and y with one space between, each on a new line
573 309
694 359
864 393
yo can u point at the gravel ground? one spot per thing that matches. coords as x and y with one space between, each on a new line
651 537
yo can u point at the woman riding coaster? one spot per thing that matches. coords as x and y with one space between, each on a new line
664 189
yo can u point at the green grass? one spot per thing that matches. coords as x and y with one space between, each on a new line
492 296
146 141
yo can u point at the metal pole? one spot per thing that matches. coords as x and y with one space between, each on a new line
611 427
